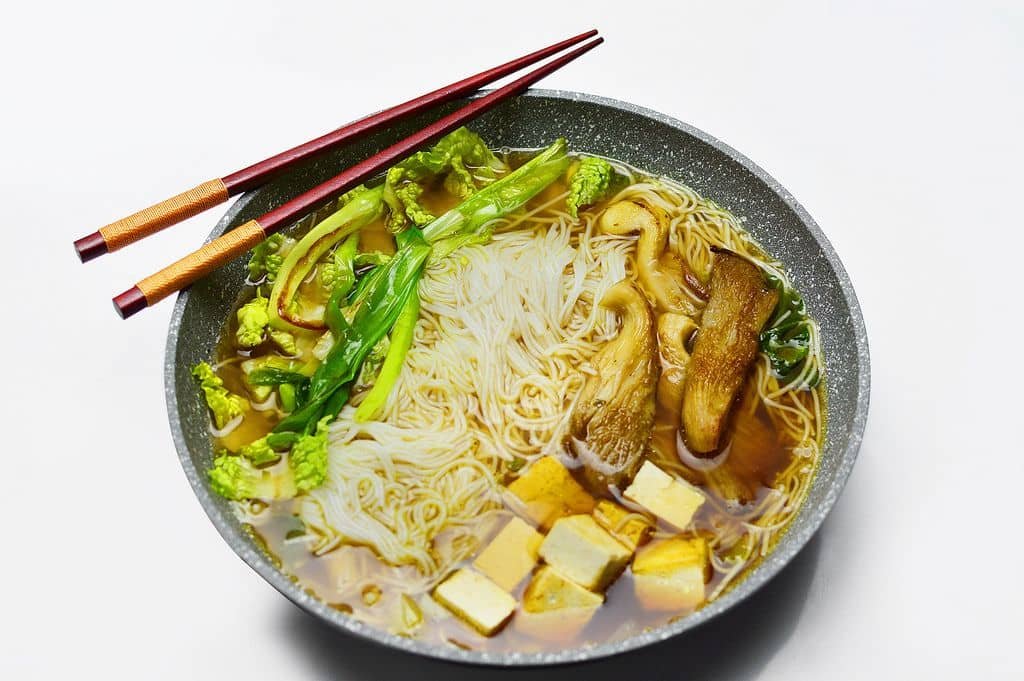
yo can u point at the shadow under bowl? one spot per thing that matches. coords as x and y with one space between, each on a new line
645 139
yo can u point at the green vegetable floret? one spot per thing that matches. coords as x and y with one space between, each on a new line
252 322
589 184
461 159
224 405
265 260
237 477
259 452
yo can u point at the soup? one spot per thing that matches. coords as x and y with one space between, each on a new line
516 401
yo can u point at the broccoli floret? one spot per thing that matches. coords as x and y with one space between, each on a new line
222 403
253 318
285 341
460 157
589 183
265 260
236 478
409 195
308 458
259 452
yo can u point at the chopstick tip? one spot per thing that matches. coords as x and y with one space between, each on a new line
128 303
90 247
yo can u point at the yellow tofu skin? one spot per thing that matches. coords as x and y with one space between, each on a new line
476 600
673 501
547 492
511 555
583 551
622 524
671 574
554 608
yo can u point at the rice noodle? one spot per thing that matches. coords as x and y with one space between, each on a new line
501 349
492 373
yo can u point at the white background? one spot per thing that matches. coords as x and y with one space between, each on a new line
898 126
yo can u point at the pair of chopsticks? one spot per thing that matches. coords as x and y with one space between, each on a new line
225 248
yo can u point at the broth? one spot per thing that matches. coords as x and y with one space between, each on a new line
351 578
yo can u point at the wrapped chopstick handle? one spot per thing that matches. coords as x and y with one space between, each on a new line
151 220
192 267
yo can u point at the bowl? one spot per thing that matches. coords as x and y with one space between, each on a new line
645 139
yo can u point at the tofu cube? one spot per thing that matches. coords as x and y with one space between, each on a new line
554 608
629 528
673 501
547 492
671 574
511 555
584 552
476 600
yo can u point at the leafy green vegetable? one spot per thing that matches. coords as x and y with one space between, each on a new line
373 362
341 273
308 458
224 405
379 306
371 259
589 184
285 341
288 395
401 341
259 452
252 322
360 208
237 477
464 159
268 375
503 196
787 337
265 260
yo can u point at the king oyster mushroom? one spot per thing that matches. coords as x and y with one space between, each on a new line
610 426
741 302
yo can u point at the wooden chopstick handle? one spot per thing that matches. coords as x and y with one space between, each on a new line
193 266
151 220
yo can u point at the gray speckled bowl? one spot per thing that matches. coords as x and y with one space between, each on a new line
644 139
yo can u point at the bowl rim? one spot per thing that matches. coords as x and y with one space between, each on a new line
763 573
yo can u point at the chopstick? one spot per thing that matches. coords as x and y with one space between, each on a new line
226 247
159 216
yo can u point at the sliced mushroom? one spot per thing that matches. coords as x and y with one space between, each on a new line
741 302
673 332
662 272
611 424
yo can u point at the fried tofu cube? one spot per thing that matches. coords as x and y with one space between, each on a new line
583 551
672 500
671 574
555 608
547 492
476 600
511 555
629 528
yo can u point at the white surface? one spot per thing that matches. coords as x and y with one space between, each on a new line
899 128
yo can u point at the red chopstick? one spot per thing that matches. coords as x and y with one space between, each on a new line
150 220
226 247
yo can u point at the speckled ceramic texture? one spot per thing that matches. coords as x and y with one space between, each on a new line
642 138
